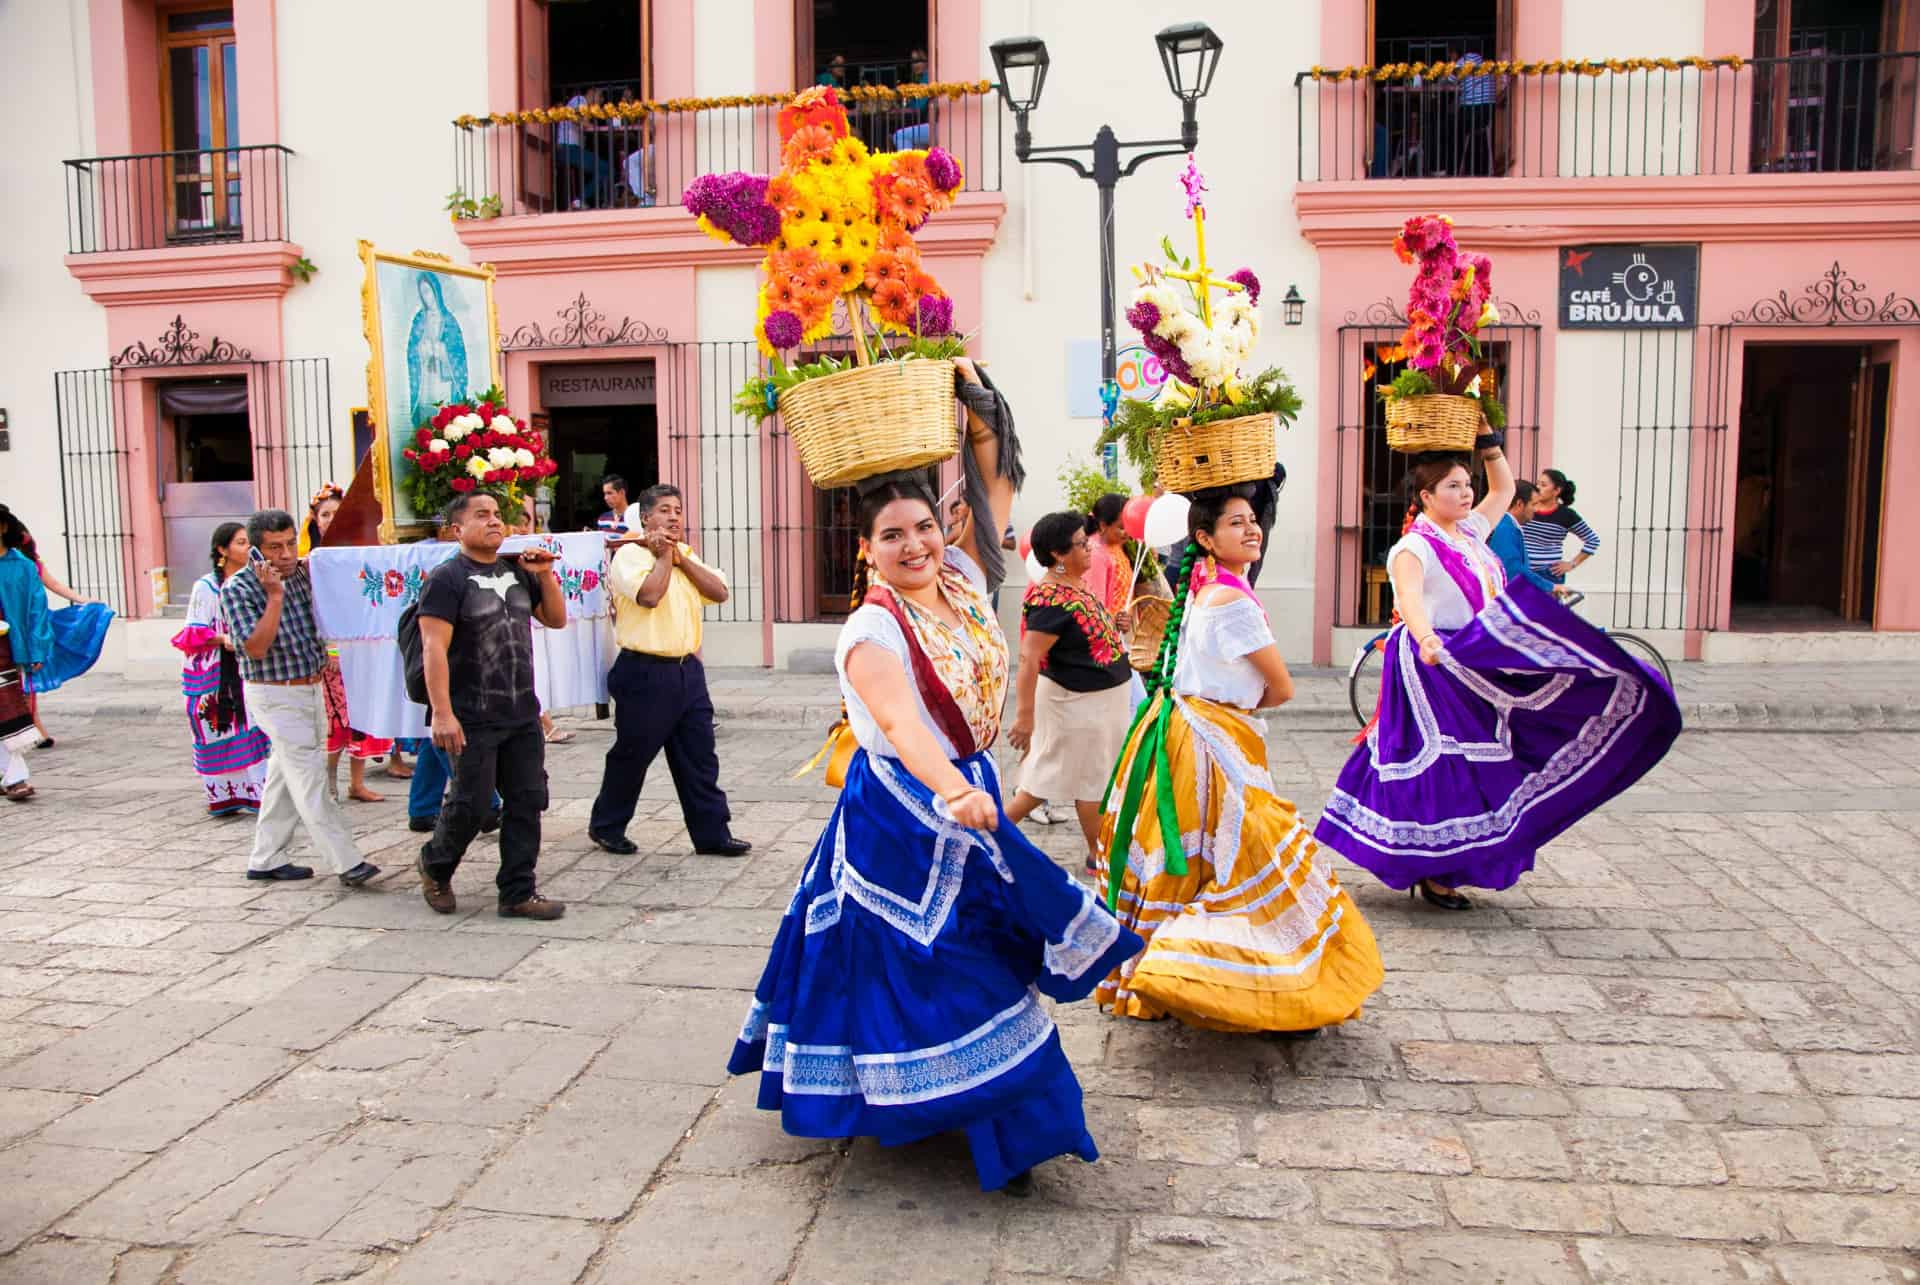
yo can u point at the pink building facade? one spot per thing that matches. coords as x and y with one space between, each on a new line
1742 465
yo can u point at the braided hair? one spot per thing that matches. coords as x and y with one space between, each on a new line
222 537
1202 515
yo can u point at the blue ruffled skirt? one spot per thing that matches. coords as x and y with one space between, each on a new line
902 998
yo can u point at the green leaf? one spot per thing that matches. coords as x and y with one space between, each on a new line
1166 244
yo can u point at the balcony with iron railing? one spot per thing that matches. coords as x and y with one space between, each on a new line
631 156
168 200
1809 112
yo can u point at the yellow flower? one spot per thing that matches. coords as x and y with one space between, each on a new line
477 465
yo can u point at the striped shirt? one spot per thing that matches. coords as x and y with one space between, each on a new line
296 650
1546 536
1475 91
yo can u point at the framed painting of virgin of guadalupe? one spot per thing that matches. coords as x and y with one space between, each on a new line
433 337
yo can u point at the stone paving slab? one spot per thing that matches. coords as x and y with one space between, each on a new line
1687 1047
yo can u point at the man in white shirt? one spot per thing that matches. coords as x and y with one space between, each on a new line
613 490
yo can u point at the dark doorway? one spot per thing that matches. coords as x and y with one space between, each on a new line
596 44
1818 107
1431 128
589 442
858 43
1806 526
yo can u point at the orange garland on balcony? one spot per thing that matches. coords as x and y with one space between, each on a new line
1554 67
638 109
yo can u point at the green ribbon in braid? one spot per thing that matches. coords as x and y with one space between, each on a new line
1155 713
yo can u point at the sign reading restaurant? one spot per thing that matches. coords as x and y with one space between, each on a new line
1629 287
607 383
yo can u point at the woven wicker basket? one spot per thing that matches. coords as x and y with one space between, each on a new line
1149 627
1436 422
1217 454
872 419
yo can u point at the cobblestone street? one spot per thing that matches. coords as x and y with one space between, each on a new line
1685 1049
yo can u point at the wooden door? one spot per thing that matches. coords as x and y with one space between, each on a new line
200 123
1897 88
1866 482
533 150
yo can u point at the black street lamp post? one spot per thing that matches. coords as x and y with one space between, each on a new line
1189 53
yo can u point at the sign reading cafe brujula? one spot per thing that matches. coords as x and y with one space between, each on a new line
1628 287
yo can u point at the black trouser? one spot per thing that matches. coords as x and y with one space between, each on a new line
512 760
659 705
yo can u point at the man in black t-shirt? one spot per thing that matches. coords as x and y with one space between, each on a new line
476 639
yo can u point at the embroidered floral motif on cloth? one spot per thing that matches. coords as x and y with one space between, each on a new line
1103 638
971 661
1532 719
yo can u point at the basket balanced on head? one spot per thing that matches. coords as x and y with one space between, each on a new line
1447 385
837 222
1213 427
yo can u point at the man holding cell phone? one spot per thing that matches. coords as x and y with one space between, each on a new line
283 661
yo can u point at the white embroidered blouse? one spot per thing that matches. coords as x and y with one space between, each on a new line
1214 645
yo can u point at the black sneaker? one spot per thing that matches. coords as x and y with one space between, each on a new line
288 871
423 825
490 822
618 844
359 874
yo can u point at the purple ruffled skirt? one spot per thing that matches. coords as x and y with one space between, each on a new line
1533 719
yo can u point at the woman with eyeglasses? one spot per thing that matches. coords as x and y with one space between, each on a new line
1071 726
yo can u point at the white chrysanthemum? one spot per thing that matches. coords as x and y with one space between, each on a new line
1159 296
500 456
523 457
501 424
453 431
1179 327
438 444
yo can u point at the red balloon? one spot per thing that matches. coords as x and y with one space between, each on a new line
1026 545
1133 518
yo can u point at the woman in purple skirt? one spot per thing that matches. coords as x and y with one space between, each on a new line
1504 718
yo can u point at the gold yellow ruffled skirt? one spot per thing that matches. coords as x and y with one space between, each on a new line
1257 935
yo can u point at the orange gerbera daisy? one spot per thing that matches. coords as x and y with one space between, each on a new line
815 105
819 277
885 266
922 281
809 143
902 200
893 302
898 241
783 292
910 166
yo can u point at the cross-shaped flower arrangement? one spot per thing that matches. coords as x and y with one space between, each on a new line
1202 343
838 222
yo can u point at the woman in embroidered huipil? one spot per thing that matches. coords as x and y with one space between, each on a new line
902 998
342 736
229 753
1504 717
1073 703
1247 928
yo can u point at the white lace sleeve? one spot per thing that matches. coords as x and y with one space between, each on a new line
1240 628
869 625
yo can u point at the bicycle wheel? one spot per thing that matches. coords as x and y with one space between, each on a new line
1363 679
1640 649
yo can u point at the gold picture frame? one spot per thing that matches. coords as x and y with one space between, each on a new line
433 344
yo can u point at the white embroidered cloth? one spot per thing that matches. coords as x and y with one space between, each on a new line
359 593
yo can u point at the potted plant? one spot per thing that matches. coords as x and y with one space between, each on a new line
1437 402
837 222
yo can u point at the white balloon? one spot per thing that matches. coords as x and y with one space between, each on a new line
1167 521
1035 572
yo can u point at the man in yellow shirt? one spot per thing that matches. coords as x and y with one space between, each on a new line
658 685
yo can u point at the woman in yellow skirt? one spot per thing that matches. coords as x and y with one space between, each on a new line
1247 928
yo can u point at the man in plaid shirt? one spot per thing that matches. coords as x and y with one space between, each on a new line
269 610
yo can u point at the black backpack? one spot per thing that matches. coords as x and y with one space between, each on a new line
411 657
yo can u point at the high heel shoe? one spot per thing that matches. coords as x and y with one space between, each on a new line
1443 900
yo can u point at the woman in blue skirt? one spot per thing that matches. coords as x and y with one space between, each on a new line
903 996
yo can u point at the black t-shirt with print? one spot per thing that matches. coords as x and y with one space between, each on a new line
1090 655
490 659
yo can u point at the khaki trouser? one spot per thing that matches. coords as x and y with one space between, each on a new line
295 721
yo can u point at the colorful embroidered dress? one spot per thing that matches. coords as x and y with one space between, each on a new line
903 994
1247 928
229 753
1532 719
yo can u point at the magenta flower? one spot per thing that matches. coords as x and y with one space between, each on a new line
1169 355
783 330
735 203
1245 278
1144 316
1195 183
934 315
943 169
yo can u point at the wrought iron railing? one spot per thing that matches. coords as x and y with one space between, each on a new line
1810 111
154 200
524 165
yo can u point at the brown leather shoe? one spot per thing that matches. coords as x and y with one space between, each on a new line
437 894
535 907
